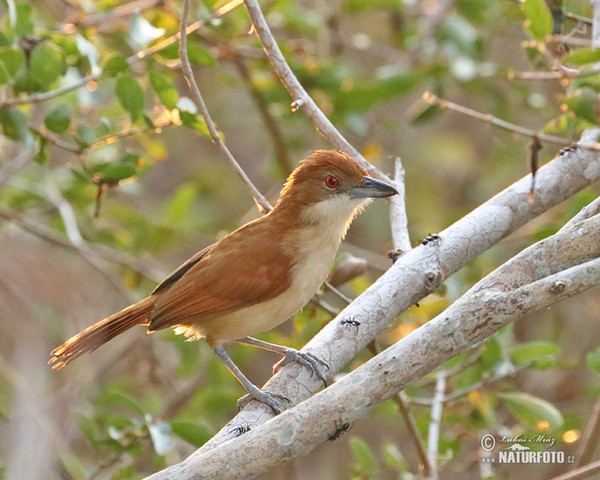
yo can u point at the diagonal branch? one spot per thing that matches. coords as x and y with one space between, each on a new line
496 301
498 122
417 273
301 99
260 200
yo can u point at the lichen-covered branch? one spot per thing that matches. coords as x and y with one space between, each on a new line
554 273
417 273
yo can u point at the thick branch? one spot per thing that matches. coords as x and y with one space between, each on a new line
417 273
462 327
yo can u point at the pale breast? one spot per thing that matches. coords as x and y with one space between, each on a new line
313 247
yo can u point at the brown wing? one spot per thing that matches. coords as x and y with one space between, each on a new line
181 270
238 271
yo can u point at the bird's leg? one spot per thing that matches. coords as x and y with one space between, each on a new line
307 359
270 399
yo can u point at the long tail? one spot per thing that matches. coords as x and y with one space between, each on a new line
99 333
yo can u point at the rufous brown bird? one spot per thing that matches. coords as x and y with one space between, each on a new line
258 276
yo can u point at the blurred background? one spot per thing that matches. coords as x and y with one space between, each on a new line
106 188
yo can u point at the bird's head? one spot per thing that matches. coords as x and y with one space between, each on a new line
330 184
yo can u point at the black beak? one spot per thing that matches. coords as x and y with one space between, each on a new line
372 188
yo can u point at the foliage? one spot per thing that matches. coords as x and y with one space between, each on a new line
120 165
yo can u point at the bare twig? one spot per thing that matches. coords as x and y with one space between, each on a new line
560 74
271 125
590 438
433 434
580 473
593 208
102 141
413 431
569 15
488 118
260 200
109 15
14 165
398 216
471 388
105 253
301 99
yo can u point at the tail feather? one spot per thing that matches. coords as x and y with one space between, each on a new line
95 335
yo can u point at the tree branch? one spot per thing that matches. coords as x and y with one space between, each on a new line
433 434
414 275
498 300
498 122
261 201
301 99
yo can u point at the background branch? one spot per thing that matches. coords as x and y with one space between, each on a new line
498 122
301 99
260 200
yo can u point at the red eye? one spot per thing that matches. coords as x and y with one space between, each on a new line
331 181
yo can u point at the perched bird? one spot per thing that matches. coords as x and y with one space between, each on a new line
256 277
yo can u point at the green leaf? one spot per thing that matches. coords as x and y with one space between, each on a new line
88 427
117 171
532 351
24 26
117 395
491 352
3 74
539 18
180 204
196 53
582 105
46 64
362 455
170 52
58 118
114 64
85 136
192 433
41 155
532 410
165 89
14 125
582 56
593 360
130 94
195 122
200 55
13 59
72 465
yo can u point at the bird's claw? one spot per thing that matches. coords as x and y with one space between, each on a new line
272 400
307 359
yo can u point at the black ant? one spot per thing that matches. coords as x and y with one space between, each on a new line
240 430
350 321
430 238
343 428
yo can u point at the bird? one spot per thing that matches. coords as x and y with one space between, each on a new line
256 277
